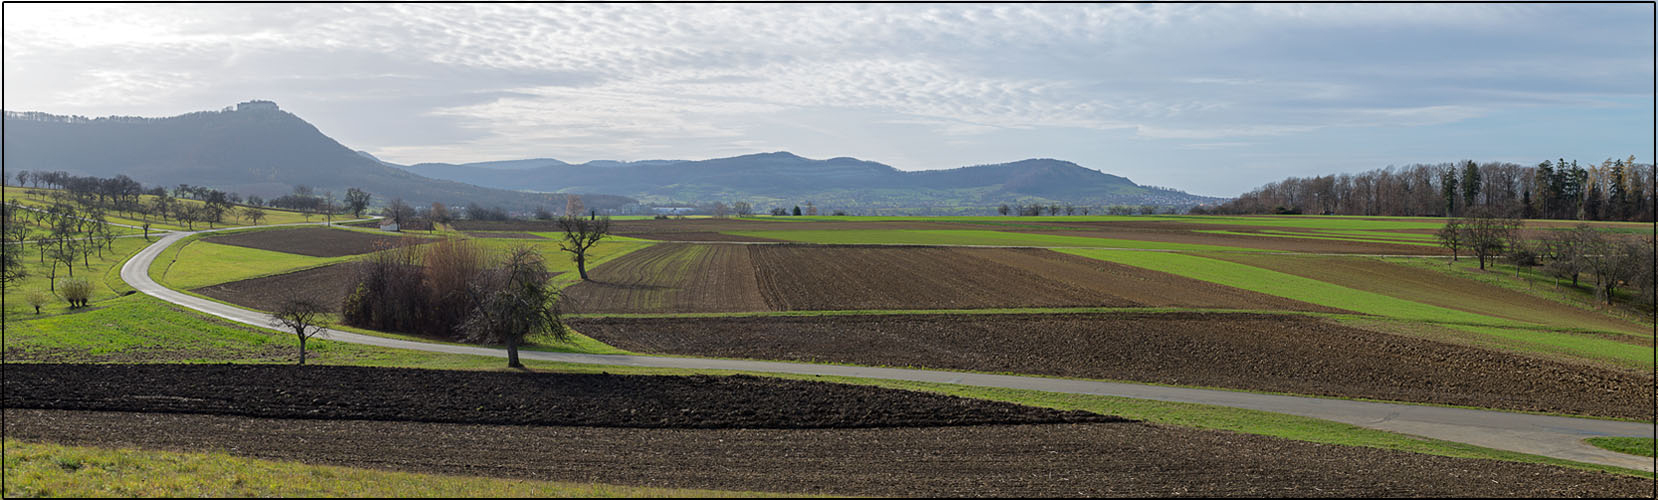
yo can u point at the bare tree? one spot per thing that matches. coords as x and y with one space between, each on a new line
253 215
1487 234
742 209
357 200
512 301
301 315
720 210
1451 236
580 235
572 205
399 212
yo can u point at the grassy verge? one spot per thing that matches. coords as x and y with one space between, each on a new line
1645 447
46 470
139 328
202 263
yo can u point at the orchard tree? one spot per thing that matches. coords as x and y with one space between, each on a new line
357 200
512 301
302 315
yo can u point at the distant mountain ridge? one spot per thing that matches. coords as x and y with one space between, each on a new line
254 148
842 181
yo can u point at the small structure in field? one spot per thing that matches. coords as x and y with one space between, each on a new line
388 226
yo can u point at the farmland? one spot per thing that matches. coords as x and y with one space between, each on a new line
1063 297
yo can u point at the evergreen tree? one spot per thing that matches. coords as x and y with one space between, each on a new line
1448 189
1470 184
1617 200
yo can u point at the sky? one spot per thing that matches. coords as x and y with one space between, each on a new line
1208 98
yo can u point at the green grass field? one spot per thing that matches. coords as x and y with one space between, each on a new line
200 263
47 470
272 215
104 273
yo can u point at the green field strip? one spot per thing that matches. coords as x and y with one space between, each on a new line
1290 286
104 274
1368 236
1581 346
1306 236
51 470
203 263
1532 281
972 237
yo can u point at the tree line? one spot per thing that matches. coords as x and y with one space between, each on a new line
1614 190
1611 263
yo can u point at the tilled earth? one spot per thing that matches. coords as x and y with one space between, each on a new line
314 241
327 284
400 394
1279 353
1100 459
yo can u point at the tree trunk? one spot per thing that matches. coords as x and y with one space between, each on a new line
581 266
302 351
512 353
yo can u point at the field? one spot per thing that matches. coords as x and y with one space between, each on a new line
1240 303
681 278
314 242
103 272
1275 353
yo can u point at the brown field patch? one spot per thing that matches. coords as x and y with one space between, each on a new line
795 277
327 284
505 398
1119 459
1184 232
1439 289
312 241
670 278
1243 351
695 236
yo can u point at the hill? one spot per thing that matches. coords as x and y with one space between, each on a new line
783 177
254 148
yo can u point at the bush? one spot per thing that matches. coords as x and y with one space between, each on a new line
78 291
36 299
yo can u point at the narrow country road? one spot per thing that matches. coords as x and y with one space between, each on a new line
1558 437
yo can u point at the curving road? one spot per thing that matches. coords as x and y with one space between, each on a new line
1558 437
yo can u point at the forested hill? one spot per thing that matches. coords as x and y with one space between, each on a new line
1616 189
252 149
782 177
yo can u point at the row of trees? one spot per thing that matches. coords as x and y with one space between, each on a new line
72 234
1617 189
1069 209
1611 262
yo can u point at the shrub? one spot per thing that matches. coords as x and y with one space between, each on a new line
78 291
37 298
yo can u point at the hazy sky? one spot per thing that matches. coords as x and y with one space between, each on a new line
1213 99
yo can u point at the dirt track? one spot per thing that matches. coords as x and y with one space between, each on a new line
1116 459
1244 351
727 278
505 398
328 284
312 241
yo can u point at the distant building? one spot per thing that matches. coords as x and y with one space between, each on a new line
256 106
389 226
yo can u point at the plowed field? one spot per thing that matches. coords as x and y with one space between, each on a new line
1185 232
312 241
1244 351
327 284
849 277
736 278
670 277
411 395
1116 459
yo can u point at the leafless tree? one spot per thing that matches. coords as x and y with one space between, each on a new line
1486 234
1451 236
304 316
580 235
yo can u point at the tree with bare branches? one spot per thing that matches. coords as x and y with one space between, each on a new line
580 235
302 315
512 301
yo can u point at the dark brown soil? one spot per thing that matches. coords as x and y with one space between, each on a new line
504 234
1183 232
670 277
699 236
314 241
1119 459
328 284
412 395
1244 351
684 278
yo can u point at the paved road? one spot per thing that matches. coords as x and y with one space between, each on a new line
1559 437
